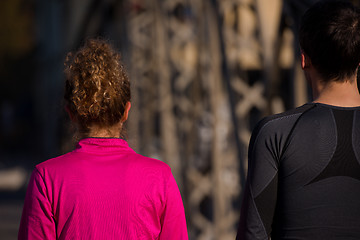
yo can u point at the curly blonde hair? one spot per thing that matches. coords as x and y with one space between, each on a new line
97 87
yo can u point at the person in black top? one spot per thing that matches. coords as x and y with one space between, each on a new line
304 164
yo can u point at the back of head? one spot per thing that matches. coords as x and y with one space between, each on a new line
97 87
330 36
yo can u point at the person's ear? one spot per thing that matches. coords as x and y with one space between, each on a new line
302 60
71 115
126 112
305 61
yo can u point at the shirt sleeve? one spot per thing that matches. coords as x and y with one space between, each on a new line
260 195
37 221
173 220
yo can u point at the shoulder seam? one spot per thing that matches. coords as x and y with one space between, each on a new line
278 117
293 127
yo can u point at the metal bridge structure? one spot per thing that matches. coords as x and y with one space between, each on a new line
203 73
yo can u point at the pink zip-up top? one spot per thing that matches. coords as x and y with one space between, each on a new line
102 190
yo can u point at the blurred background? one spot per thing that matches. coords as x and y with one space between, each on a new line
203 73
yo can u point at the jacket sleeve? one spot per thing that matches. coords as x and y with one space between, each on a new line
173 219
260 195
37 221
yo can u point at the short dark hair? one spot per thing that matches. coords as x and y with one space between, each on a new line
330 36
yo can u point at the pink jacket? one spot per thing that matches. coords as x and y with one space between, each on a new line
102 190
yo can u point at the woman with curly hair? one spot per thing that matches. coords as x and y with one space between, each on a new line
102 189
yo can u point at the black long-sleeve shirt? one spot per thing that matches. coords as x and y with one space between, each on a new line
304 176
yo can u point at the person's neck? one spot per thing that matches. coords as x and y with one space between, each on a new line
110 132
342 94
